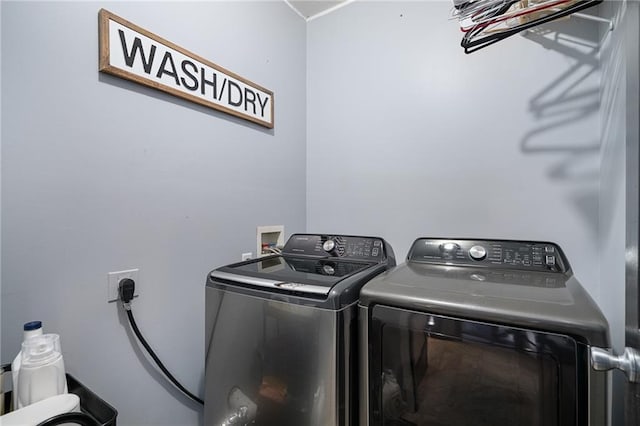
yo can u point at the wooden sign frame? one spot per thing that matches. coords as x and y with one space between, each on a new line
133 53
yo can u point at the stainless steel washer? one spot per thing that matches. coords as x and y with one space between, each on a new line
281 333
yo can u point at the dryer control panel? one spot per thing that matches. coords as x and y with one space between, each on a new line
508 254
342 246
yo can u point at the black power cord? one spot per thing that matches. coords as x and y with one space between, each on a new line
126 289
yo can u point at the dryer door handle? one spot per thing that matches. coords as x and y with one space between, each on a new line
628 362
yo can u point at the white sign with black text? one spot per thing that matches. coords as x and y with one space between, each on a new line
131 52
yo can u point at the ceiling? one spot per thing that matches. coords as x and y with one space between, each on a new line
310 8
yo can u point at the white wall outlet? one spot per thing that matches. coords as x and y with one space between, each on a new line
246 256
268 238
114 279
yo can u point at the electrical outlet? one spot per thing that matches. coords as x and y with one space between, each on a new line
246 256
114 279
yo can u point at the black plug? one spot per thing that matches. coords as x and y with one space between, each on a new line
126 288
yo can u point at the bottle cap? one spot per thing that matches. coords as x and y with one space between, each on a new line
33 325
40 350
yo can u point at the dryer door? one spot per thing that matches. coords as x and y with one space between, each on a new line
433 370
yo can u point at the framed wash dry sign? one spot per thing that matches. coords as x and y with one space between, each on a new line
136 54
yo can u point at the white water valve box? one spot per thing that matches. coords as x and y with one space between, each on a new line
269 239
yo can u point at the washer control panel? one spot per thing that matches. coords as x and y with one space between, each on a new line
508 254
344 246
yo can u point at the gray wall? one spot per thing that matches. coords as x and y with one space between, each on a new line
613 196
1 309
100 174
408 136
612 186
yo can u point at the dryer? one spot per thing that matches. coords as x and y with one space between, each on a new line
481 332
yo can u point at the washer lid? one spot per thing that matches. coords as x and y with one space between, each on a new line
290 273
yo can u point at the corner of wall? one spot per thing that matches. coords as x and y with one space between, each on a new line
1 50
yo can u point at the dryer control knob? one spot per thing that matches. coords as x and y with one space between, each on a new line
328 245
477 252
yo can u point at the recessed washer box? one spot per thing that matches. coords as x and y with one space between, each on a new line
268 238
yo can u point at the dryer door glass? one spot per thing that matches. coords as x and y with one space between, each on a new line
431 370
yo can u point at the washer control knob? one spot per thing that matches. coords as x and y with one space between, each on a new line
477 252
328 245
449 247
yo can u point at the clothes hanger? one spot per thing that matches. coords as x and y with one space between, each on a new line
515 20
474 8
471 24
489 14
471 43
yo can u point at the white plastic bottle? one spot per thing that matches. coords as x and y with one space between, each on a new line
42 373
31 329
